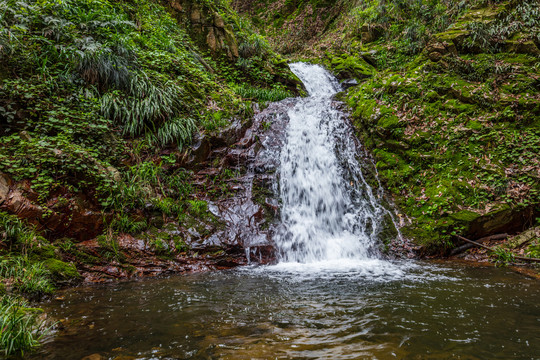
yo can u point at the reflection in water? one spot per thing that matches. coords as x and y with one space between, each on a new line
275 312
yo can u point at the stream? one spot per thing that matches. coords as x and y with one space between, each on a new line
331 295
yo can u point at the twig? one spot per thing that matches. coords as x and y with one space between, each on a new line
467 246
491 249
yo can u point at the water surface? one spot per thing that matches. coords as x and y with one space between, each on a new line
374 310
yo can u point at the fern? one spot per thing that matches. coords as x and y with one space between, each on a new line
254 46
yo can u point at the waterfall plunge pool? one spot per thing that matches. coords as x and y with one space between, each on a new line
368 309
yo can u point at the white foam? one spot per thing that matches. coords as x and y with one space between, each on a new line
328 212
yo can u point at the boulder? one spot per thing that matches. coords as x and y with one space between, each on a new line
218 21
200 150
505 219
17 204
176 5
211 40
195 15
85 224
349 83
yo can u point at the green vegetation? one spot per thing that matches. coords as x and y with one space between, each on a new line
21 328
87 76
447 102
100 102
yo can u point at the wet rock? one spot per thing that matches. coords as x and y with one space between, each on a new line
230 135
93 357
346 84
505 219
261 254
85 224
4 187
73 218
200 150
17 204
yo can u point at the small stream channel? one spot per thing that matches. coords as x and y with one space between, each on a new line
330 296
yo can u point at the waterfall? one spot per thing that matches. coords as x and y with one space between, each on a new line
328 210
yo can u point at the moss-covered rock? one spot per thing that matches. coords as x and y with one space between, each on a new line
62 272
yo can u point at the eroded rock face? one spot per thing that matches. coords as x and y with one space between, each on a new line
208 28
505 220
61 217
250 215
371 32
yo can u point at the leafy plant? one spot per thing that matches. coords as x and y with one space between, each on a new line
20 327
16 232
503 257
125 223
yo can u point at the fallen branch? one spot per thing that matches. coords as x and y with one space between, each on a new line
467 246
523 258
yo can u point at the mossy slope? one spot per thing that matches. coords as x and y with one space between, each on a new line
448 104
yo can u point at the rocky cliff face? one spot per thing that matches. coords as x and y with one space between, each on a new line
207 27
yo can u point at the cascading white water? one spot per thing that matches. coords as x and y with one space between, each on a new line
329 212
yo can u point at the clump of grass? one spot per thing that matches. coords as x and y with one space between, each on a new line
177 130
102 67
167 206
125 223
20 328
25 277
502 257
149 105
109 246
15 232
253 46
261 94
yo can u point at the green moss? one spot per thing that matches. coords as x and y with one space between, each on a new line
465 217
62 271
351 67
44 252
388 121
